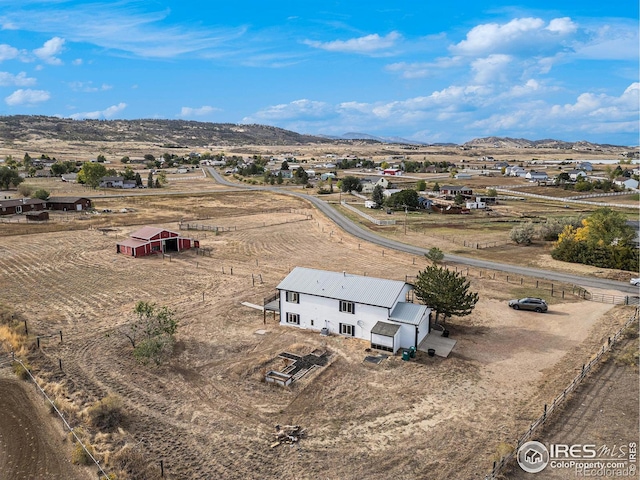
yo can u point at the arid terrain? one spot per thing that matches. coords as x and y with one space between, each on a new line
207 413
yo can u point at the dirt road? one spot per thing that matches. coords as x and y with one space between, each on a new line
31 448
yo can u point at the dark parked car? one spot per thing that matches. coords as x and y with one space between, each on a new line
528 303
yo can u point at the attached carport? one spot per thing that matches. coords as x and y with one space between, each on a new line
385 336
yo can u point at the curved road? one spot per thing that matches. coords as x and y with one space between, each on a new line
354 229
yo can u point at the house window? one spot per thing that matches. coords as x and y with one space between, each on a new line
293 318
347 307
312 324
293 297
346 329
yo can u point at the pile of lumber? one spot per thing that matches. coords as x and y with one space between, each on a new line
287 434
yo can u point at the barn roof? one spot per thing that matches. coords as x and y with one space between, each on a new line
343 286
147 233
132 242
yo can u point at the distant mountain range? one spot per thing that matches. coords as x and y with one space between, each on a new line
191 134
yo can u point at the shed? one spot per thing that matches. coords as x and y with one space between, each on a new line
153 240
69 203
37 216
384 336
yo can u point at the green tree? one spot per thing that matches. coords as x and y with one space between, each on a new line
151 333
128 174
458 199
350 184
377 195
435 255
436 187
285 165
162 179
421 186
91 173
101 158
124 160
492 192
445 292
27 161
279 180
402 199
9 177
41 193
301 176
149 158
138 180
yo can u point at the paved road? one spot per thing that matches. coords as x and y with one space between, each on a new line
356 230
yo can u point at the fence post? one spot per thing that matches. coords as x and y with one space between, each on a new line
60 336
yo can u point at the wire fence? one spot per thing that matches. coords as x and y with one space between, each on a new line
550 408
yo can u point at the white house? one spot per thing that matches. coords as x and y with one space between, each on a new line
536 176
627 183
575 174
369 183
368 308
584 165
515 171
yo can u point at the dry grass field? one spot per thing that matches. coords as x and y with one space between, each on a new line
207 413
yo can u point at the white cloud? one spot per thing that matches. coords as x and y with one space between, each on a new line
424 69
124 26
107 113
77 61
187 112
297 109
7 52
47 53
491 69
527 35
562 25
88 87
27 97
20 80
369 44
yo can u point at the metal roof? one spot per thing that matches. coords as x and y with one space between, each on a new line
65 199
21 201
343 286
147 233
385 329
410 313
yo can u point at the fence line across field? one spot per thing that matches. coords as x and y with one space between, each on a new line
549 409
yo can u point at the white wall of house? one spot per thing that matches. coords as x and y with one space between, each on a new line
319 312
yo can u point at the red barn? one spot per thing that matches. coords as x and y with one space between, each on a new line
151 240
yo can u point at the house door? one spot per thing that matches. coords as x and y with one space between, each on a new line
19 209
79 206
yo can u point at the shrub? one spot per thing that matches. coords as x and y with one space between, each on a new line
130 463
522 234
20 371
107 414
80 455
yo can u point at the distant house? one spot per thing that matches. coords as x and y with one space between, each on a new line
453 190
500 165
463 176
390 191
369 308
153 240
326 176
536 176
473 205
65 204
21 205
515 171
369 183
392 171
586 166
112 182
69 177
574 175
627 183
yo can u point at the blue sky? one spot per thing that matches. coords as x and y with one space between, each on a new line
426 70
